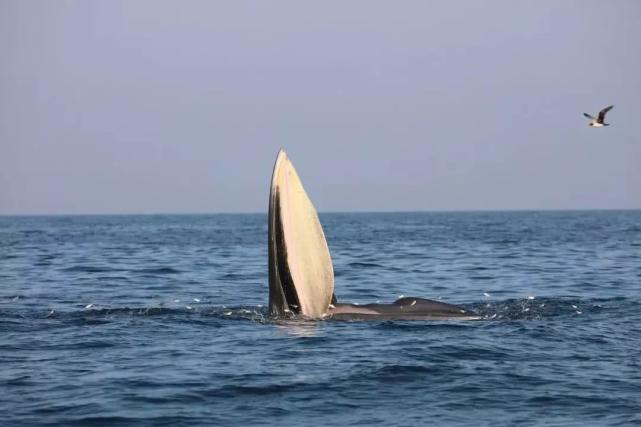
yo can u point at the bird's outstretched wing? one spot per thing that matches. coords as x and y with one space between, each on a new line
588 116
603 112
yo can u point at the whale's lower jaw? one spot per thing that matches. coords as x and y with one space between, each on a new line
301 274
401 309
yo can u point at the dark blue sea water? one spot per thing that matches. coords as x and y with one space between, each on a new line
161 320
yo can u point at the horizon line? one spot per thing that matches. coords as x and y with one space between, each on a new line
515 210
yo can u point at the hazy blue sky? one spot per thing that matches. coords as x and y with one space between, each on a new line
158 106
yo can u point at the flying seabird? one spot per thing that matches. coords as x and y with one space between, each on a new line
597 122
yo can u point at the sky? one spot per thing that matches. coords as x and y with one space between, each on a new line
181 106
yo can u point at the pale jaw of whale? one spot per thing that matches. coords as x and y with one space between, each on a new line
301 274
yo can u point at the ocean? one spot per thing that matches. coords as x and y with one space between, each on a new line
161 320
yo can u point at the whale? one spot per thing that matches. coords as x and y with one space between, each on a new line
301 273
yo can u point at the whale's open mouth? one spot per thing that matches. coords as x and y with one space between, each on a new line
285 297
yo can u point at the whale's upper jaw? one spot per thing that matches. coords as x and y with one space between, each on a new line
408 308
301 275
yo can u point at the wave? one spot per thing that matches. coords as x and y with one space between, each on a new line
90 269
12 319
361 264
14 313
106 269
547 308
158 270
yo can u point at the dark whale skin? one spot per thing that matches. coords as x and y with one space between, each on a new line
407 308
